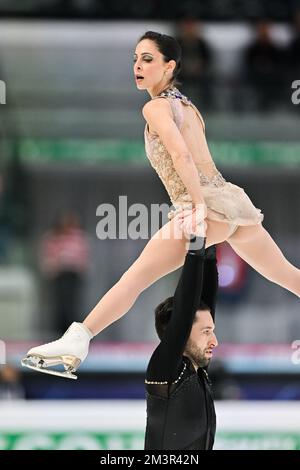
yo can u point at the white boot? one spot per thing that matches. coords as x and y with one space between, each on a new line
70 350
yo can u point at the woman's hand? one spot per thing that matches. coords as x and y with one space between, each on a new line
192 222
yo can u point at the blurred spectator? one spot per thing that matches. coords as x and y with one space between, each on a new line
196 61
64 261
11 387
263 67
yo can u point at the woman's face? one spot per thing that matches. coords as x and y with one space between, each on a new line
150 65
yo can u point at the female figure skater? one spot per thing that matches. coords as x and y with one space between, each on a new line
177 149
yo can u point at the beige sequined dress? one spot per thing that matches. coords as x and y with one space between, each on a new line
225 201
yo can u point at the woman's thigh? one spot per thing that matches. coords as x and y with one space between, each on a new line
166 250
247 233
217 232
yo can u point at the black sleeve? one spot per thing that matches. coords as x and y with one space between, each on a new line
166 360
210 279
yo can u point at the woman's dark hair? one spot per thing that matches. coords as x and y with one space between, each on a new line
168 47
163 314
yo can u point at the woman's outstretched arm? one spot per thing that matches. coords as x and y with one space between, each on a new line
158 115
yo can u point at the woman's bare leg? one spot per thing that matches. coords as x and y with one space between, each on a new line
163 254
254 245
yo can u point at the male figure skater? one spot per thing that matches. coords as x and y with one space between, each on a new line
180 408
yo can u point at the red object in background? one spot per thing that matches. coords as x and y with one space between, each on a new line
64 252
232 269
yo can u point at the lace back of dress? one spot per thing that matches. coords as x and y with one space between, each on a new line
177 97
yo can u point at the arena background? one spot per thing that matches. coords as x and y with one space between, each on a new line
71 133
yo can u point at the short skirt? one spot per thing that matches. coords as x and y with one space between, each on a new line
227 203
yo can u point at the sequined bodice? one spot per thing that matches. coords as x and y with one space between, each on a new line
161 160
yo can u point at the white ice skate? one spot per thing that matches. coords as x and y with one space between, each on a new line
70 350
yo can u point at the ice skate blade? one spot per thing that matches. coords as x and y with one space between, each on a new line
41 364
66 375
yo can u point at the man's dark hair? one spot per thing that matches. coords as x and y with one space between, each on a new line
163 314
